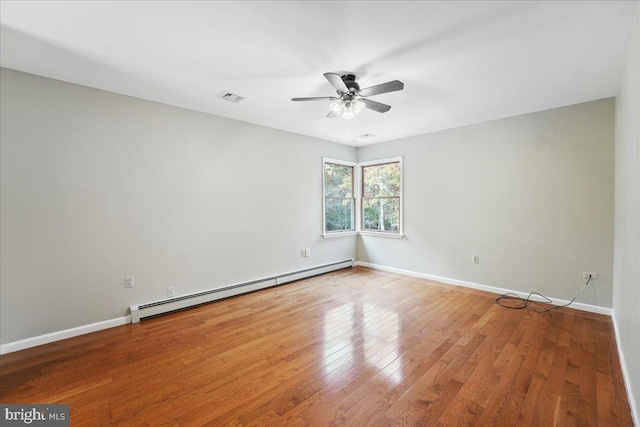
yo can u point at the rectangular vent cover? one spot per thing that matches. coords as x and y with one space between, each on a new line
366 136
231 97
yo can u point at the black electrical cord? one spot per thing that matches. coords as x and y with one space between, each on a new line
516 302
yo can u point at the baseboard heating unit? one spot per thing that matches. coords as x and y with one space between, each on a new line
152 309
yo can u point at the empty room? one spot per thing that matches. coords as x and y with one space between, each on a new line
320 213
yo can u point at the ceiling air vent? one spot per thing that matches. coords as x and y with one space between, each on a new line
231 97
366 136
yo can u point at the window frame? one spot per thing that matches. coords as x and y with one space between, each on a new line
381 233
354 197
358 196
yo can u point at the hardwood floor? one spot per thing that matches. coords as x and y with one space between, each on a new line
353 347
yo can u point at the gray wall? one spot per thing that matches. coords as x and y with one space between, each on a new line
96 186
532 195
626 266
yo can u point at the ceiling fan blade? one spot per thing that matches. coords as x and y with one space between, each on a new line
376 106
382 88
317 98
336 82
331 115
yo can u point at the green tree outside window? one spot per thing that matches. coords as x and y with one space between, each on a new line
381 197
338 197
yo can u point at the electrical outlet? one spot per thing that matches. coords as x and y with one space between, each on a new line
303 252
307 252
171 292
129 282
475 259
586 274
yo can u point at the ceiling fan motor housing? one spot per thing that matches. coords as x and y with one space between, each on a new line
350 82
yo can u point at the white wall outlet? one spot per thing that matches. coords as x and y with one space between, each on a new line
171 292
307 252
303 252
475 259
586 274
129 282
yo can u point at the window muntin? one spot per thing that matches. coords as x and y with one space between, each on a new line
339 198
381 192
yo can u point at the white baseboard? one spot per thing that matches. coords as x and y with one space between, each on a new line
106 324
625 375
98 326
61 335
155 308
93 327
493 289
496 290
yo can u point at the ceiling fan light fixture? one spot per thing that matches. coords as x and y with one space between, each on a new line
337 107
348 112
358 106
347 109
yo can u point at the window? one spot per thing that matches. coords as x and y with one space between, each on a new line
339 199
381 196
364 198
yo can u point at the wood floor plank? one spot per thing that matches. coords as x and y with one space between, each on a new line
377 403
299 397
439 358
355 347
335 404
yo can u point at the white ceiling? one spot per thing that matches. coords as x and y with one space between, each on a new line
461 62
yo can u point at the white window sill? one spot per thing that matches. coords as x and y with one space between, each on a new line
339 234
363 233
381 234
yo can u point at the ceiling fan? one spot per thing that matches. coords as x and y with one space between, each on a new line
351 100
